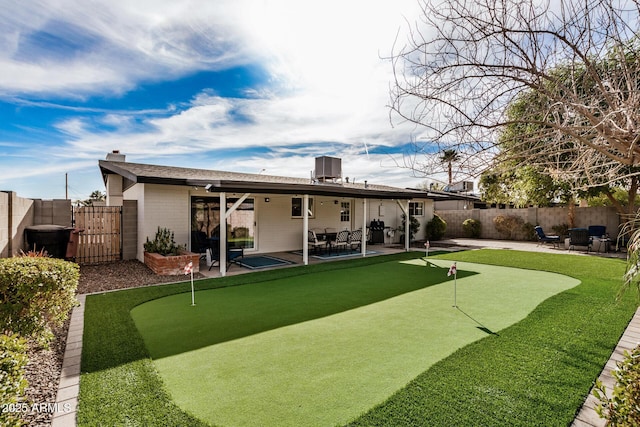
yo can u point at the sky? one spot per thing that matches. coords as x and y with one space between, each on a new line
255 86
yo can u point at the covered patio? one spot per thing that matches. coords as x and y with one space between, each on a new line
261 214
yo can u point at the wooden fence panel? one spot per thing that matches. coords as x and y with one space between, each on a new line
101 237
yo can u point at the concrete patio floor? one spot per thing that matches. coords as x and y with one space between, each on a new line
454 244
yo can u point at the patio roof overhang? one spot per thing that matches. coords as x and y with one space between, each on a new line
218 181
320 189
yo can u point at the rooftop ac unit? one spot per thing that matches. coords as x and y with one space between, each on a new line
459 187
328 168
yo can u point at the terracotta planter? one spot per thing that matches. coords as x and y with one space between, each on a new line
173 264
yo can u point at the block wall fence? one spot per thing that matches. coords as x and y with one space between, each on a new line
17 213
544 217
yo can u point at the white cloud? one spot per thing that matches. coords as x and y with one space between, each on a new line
330 84
110 46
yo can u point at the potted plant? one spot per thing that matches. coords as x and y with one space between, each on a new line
165 257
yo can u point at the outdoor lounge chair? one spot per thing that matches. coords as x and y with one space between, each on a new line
355 238
314 242
342 239
543 238
579 237
233 254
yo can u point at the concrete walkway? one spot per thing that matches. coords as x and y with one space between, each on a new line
69 385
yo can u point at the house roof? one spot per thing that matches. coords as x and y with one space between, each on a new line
216 181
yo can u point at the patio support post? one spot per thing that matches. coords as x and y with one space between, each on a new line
305 229
223 234
407 228
363 244
407 224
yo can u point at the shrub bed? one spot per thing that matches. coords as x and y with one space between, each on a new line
35 294
13 359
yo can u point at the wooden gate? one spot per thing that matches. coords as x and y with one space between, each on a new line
101 237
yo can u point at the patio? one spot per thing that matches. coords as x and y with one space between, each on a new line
294 258
454 244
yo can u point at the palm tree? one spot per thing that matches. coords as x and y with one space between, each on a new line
448 157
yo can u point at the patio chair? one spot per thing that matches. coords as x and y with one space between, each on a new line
597 231
579 237
342 239
543 238
199 243
600 241
355 238
233 253
315 243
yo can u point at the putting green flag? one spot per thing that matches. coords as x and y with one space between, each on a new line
453 270
188 269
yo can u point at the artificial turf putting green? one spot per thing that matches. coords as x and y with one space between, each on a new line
320 349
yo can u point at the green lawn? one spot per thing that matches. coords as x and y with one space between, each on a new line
338 351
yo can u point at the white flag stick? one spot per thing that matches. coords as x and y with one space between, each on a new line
453 271
455 289
189 269
193 295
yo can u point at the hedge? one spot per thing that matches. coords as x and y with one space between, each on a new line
35 294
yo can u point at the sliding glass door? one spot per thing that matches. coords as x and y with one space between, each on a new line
205 217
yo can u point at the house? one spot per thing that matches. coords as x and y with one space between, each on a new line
263 213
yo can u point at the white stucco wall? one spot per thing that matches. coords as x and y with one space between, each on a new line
162 206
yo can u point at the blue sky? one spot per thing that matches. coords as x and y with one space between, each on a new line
240 85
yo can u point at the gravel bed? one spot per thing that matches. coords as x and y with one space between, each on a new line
44 367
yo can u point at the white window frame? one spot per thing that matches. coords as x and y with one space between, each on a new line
345 212
416 207
311 207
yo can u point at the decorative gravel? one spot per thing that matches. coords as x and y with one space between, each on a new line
43 369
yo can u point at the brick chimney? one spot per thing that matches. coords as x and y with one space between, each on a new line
115 156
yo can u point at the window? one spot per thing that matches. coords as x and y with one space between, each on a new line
296 207
345 212
416 208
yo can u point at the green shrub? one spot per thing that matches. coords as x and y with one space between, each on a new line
561 230
435 228
471 228
623 408
163 244
13 359
508 225
529 231
35 294
414 226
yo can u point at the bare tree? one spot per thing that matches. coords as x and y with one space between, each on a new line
578 62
